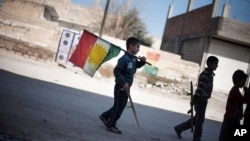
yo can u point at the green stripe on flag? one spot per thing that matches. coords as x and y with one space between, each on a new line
113 52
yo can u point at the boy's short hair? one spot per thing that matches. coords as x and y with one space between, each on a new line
132 40
239 75
212 59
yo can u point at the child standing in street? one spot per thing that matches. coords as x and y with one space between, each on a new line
234 106
201 96
124 74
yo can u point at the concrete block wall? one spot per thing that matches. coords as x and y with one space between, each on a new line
184 33
19 23
192 49
25 49
173 66
197 21
23 8
173 28
234 30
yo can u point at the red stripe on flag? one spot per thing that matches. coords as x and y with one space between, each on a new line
84 46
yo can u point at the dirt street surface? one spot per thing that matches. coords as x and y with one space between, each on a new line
41 101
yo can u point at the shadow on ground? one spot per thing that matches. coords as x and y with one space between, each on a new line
35 110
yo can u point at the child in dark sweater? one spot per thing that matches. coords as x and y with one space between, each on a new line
202 94
234 106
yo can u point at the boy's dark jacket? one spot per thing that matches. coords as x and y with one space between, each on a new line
126 68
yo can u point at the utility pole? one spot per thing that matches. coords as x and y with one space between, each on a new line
104 17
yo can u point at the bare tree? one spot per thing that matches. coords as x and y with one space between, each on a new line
122 22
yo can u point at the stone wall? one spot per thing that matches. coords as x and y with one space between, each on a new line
23 20
25 49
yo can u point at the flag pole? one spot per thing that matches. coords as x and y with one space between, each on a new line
115 45
134 56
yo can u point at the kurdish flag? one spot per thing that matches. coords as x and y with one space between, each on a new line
92 51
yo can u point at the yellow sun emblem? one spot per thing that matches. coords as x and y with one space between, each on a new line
97 54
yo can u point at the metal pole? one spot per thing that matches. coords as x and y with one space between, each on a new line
104 17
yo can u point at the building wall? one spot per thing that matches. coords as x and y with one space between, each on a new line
192 49
231 57
192 25
197 35
233 30
18 22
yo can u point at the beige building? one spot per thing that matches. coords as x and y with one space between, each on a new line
40 23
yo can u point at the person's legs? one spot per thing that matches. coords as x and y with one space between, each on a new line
104 117
107 114
120 101
226 128
182 127
246 121
224 131
200 108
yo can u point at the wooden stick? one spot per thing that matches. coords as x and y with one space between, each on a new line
133 108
